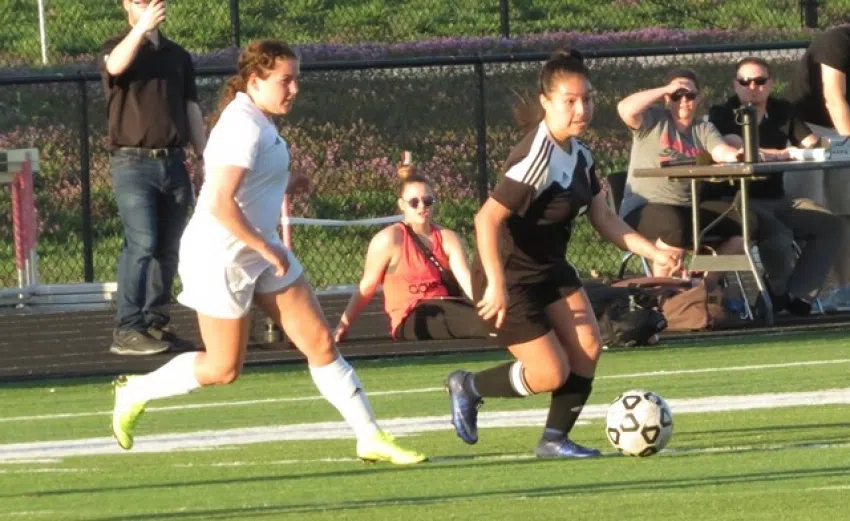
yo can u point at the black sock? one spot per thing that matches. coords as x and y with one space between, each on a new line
567 403
502 381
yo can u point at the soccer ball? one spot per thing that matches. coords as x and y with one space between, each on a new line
639 423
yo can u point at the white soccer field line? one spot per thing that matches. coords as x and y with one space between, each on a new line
212 439
263 401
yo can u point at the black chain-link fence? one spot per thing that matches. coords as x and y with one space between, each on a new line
364 29
347 131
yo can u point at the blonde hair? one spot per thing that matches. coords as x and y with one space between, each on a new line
258 58
406 172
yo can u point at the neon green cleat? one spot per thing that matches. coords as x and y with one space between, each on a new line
125 414
382 447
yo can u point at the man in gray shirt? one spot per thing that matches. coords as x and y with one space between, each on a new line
660 209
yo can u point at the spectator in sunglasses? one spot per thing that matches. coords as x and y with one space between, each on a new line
660 209
820 94
422 303
782 219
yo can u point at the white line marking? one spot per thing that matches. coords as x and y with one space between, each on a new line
728 369
35 461
30 513
834 487
46 471
210 405
263 401
402 426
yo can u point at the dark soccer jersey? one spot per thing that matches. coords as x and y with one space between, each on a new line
831 48
546 188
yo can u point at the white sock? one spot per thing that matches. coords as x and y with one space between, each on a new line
340 386
174 378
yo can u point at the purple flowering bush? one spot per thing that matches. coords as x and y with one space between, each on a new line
346 132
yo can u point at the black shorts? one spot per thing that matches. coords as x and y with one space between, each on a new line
443 319
674 225
525 318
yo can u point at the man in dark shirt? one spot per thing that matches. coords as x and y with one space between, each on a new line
781 218
153 115
820 94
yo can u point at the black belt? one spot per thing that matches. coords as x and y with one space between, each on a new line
155 153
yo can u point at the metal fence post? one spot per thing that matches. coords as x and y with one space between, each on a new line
42 32
85 183
809 13
234 23
481 133
506 23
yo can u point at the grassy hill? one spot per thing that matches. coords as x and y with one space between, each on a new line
76 29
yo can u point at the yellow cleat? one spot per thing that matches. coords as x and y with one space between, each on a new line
125 414
382 447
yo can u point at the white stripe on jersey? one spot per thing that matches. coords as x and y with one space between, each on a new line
531 169
546 164
541 167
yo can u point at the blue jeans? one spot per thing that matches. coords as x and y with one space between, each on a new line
154 195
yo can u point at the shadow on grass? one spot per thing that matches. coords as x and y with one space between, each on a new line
473 463
765 429
613 487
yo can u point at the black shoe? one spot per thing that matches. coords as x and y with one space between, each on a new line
136 343
799 307
167 335
779 303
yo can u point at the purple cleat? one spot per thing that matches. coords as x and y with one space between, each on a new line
464 407
564 448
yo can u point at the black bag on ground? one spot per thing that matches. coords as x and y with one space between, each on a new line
627 317
688 305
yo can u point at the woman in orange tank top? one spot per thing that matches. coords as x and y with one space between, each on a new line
419 304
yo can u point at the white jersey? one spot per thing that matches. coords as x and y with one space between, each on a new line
243 137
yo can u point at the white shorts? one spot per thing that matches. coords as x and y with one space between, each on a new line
226 289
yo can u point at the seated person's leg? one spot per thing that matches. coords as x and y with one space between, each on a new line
776 246
836 190
821 234
730 225
663 224
443 319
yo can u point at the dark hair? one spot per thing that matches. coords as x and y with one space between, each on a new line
683 73
407 173
526 109
258 58
754 60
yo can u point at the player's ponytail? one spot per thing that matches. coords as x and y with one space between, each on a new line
232 86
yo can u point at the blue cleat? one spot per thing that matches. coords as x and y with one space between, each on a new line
564 448
464 407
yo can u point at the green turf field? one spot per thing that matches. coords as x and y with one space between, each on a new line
761 433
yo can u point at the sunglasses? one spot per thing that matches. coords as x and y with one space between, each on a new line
688 95
745 82
427 202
